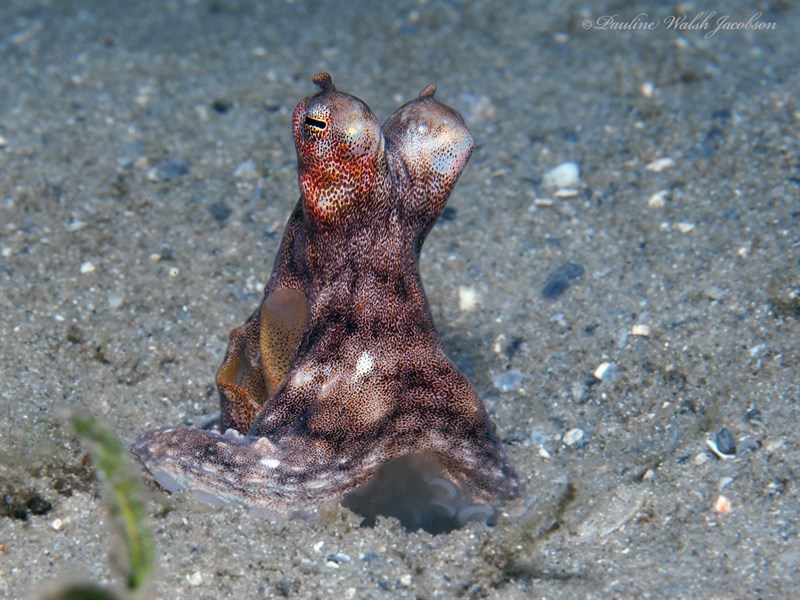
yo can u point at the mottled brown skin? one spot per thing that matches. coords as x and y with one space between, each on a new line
341 368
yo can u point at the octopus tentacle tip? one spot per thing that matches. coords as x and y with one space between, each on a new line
324 81
428 91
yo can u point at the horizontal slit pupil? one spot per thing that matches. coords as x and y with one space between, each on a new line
316 123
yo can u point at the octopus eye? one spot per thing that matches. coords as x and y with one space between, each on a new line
315 124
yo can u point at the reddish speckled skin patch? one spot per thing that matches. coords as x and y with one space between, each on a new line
341 368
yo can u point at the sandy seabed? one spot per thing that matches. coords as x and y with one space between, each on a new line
147 171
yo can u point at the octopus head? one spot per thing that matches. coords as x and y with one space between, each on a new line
434 144
339 149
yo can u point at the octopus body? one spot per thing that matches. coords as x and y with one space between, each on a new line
340 370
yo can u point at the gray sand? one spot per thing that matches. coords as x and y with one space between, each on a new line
131 245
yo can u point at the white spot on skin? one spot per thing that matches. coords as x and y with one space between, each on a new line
303 376
271 463
364 365
329 385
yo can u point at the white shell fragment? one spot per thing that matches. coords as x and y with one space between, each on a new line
712 445
659 199
641 330
605 371
468 299
573 437
660 164
564 193
565 175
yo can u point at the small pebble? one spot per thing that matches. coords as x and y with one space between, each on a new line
726 442
649 475
700 459
467 299
722 506
221 106
405 580
573 437
246 170
753 415
685 227
476 108
712 445
578 389
748 444
87 268
76 225
143 95
3 142
57 524
507 380
724 482
560 37
115 300
540 436
565 175
658 200
201 110
605 371
564 193
641 330
195 579
338 558
560 278
648 89
220 211
170 169
660 164
773 446
132 152
449 214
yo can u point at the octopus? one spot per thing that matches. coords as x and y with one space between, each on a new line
338 385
